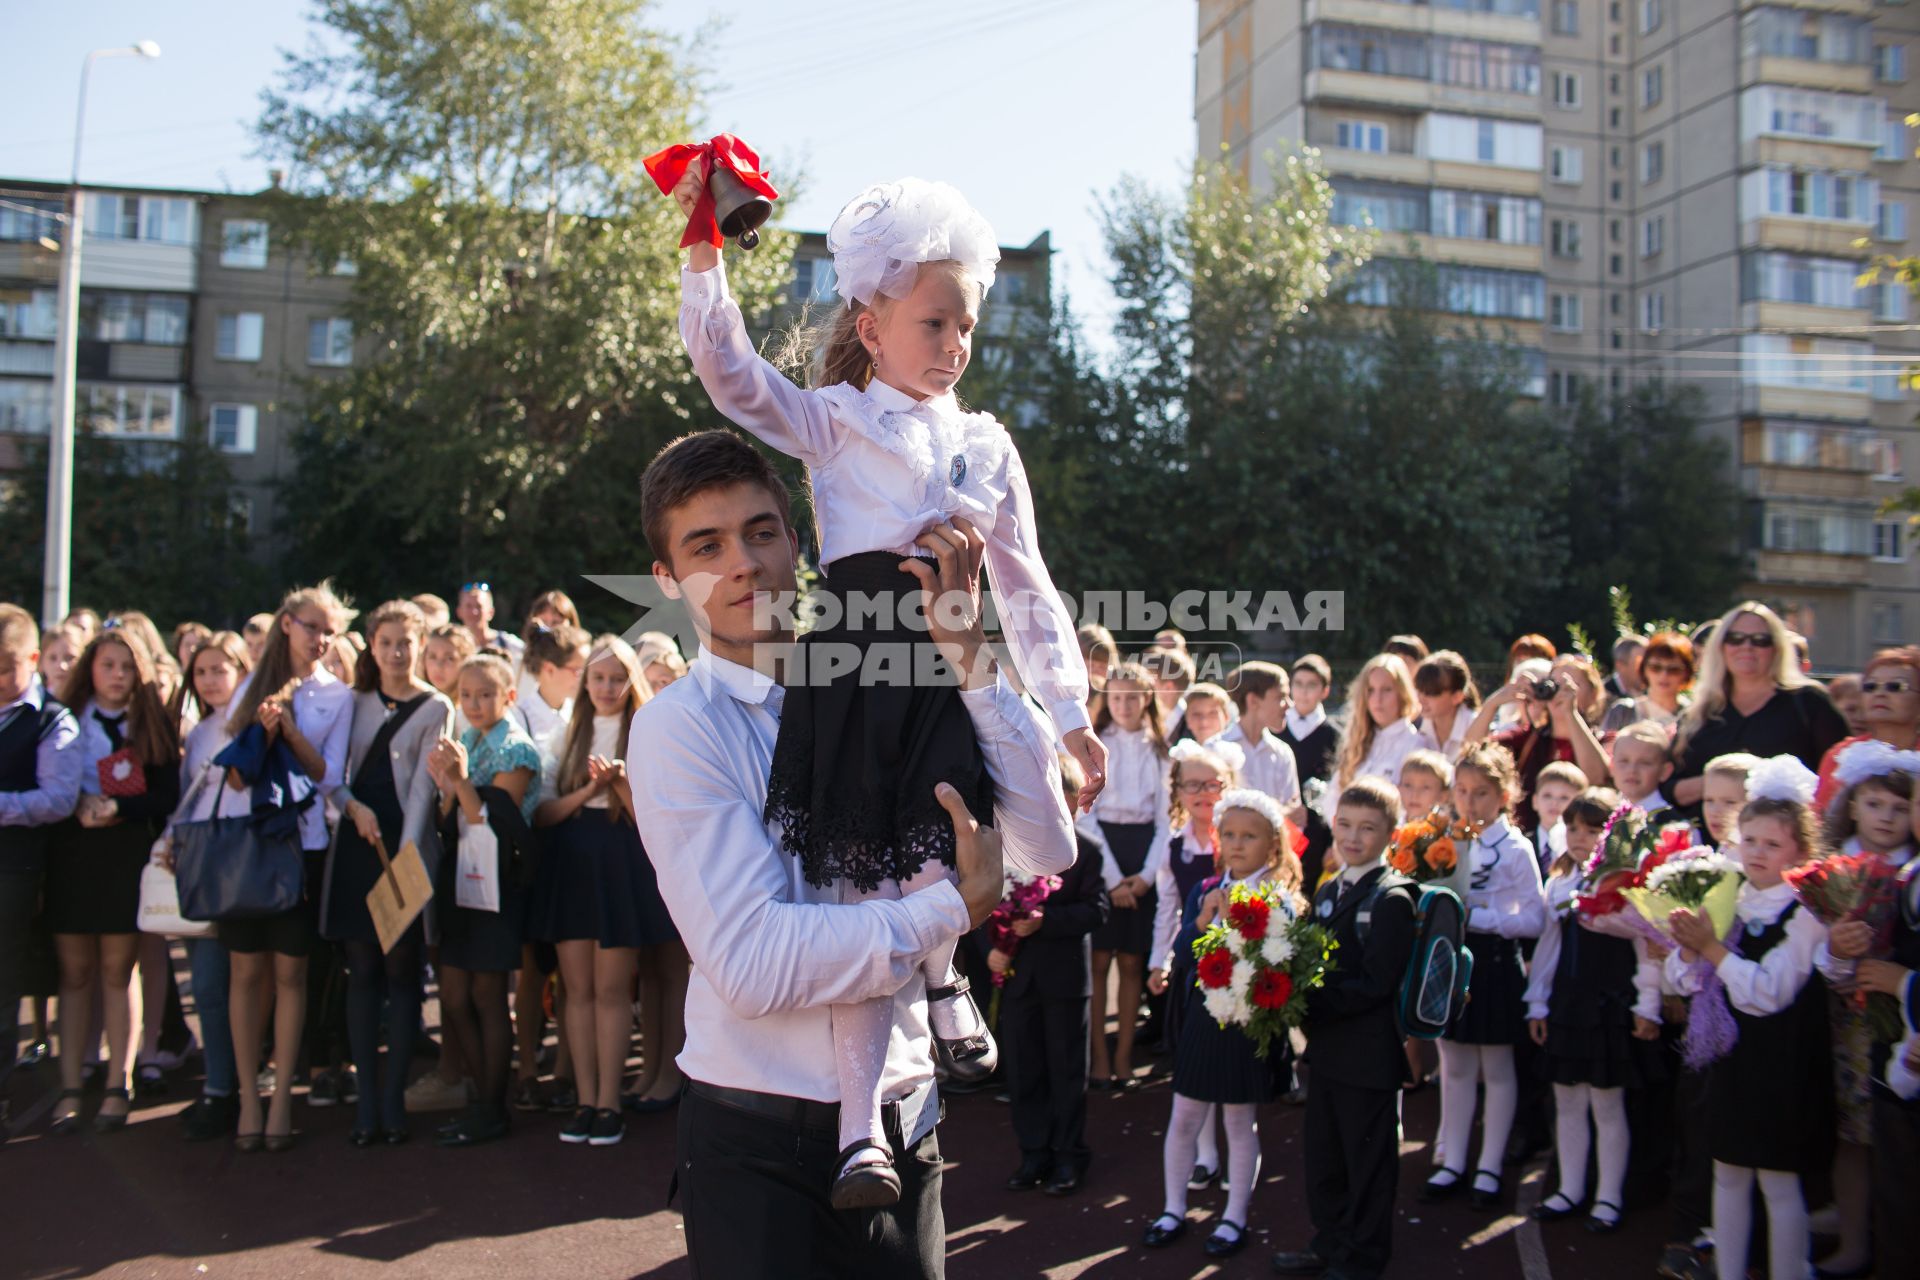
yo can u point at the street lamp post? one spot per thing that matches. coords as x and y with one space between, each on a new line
56 576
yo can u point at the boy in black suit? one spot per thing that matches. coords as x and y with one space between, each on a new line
1044 1013
1354 1059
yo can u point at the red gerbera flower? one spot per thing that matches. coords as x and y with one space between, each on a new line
1272 989
1249 918
1216 968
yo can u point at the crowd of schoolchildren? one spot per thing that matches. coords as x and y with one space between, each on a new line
360 740
406 727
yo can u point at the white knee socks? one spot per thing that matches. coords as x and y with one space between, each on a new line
1733 1221
1177 1156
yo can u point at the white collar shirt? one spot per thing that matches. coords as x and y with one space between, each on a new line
1270 764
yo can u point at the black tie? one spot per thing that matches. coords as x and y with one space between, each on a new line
113 724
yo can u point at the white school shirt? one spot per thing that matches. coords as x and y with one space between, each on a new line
546 726
1504 893
1546 957
1136 792
606 745
1300 726
1767 986
1167 904
207 740
1549 843
1270 764
1456 737
771 954
1391 745
884 466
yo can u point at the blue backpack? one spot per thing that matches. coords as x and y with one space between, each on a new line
1433 990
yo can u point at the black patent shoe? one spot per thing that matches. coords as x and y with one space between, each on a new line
1221 1245
1159 1235
1555 1207
871 1184
969 1059
1486 1197
1031 1173
1433 1189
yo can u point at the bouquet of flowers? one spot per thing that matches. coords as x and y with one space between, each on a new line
1256 963
1863 887
1694 879
1021 901
1630 846
1427 851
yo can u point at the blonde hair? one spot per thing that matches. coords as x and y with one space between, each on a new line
1374 793
1734 764
1207 689
1649 734
1562 771
496 667
1358 738
572 767
1135 674
18 630
831 350
1431 763
1714 683
1207 758
1799 818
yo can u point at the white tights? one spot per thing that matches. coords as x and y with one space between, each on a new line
1572 1104
1733 1221
1461 1065
861 1031
1190 1117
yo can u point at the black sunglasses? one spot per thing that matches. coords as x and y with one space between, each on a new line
1888 686
1749 639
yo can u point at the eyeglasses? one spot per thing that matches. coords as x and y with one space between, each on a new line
1665 668
1749 639
1886 686
1213 788
314 629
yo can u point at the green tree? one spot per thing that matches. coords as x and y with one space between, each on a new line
517 285
155 528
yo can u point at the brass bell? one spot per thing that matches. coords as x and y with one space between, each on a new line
737 209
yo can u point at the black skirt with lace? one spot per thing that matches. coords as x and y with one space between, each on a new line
859 754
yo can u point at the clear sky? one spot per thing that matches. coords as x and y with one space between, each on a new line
1033 108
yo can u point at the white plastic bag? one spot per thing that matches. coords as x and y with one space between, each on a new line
160 906
477 874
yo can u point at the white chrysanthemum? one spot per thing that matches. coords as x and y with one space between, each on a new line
1277 949
1242 981
1220 1003
1709 862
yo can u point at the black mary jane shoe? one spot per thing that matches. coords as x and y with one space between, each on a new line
1032 1172
1598 1225
1432 1190
1548 1211
68 1125
105 1123
1159 1236
363 1137
1221 1246
970 1059
1484 1198
871 1184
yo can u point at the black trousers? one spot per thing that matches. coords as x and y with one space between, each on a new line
1046 1047
753 1194
1353 1168
1896 1172
19 901
1690 1188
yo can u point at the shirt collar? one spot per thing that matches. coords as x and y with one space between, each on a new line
742 683
893 400
1304 725
34 697
1762 904
1191 847
1494 832
1352 875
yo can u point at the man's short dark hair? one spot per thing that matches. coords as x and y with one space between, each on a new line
690 466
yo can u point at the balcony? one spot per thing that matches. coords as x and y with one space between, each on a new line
1418 171
1473 253
1424 18
1829 403
1841 155
1774 317
1807 73
27 262
1819 236
138 264
1806 482
1859 8
1329 84
1809 569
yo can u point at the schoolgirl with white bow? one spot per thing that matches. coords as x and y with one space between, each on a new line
1870 815
1770 1098
1504 905
891 452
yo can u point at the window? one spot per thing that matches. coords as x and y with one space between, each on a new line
1361 135
243 243
1810 113
26 405
345 266
330 341
159 319
1565 238
1893 137
1613 190
1511 144
232 428
1799 193
1613 230
29 220
1563 388
1889 624
1653 312
1564 164
1776 32
1479 291
162 219
1613 304
1613 264
1613 117
1883 459
1649 16
1890 302
1890 63
1475 215
1653 236
1566 89
1566 18
1613 157
1358 204
1650 87
28 313
114 409
238 336
1787 277
1890 220
1817 364
1388 53
1653 161
1563 312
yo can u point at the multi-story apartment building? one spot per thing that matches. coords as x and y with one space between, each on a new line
1644 189
194 317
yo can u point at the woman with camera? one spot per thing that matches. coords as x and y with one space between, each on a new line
1555 702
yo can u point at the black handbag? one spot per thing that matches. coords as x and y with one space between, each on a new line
229 869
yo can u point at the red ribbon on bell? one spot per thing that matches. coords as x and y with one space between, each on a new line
737 197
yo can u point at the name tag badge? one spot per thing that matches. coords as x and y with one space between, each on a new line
957 470
1326 908
1364 918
